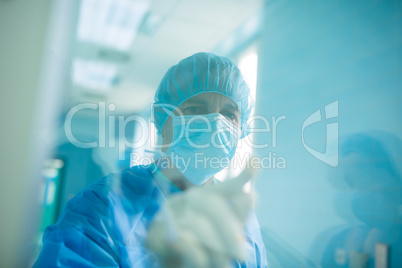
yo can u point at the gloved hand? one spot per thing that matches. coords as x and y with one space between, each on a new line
204 226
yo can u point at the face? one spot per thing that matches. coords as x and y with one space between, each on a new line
373 190
205 103
364 173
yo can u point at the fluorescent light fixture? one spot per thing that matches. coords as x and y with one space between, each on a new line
151 23
94 74
111 23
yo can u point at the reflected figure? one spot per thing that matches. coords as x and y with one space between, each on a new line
369 199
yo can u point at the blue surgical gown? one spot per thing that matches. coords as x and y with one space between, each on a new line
106 225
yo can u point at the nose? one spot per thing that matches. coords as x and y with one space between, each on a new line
214 109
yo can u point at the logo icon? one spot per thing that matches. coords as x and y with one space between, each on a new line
330 156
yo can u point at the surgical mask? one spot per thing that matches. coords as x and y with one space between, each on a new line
376 209
202 145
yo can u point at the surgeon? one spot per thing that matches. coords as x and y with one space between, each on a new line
172 213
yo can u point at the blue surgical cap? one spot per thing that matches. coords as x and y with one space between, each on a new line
201 73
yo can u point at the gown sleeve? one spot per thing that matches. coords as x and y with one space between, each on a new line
102 226
81 237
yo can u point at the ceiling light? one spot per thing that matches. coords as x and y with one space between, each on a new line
111 23
94 74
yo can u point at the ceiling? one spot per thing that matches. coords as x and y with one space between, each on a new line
182 28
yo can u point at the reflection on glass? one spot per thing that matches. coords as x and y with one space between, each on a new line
369 199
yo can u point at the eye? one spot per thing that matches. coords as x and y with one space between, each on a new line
231 116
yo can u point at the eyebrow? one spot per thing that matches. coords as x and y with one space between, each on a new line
231 106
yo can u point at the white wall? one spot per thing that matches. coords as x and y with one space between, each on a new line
22 31
34 68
